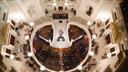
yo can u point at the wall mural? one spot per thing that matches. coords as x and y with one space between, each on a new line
3 33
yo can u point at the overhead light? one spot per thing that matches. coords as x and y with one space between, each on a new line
89 23
91 53
17 20
61 71
79 67
66 0
109 55
26 37
94 36
12 56
54 4
103 20
30 54
66 4
31 23
125 38
103 16
17 16
42 68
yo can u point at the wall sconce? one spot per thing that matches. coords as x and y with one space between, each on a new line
54 4
66 4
